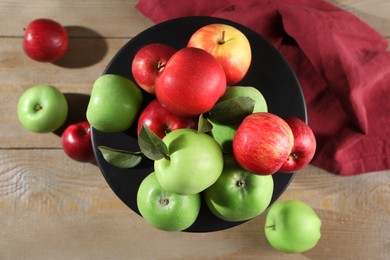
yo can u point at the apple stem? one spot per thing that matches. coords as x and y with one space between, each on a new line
240 183
160 65
37 107
272 226
222 40
292 156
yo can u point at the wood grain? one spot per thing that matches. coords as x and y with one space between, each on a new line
52 207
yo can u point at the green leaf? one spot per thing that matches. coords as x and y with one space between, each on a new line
204 125
233 110
120 158
151 145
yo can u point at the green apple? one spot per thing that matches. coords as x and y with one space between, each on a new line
238 194
292 226
42 109
224 134
166 210
114 103
195 162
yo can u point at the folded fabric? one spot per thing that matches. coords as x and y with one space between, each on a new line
342 64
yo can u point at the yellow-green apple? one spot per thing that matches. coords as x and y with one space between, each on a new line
191 83
195 162
76 142
166 210
228 45
45 40
148 62
292 226
304 146
114 103
224 133
238 194
262 143
42 108
161 122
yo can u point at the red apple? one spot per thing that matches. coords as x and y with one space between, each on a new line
45 40
148 62
304 145
191 82
76 142
160 121
228 45
262 143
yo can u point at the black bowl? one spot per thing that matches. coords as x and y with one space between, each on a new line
269 72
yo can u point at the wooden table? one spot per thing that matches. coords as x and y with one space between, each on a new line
54 208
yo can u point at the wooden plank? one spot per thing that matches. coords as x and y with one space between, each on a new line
52 211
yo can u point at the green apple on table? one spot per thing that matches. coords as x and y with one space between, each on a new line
42 109
166 210
195 162
223 133
114 103
292 226
238 194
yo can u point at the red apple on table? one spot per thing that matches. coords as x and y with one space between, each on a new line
45 40
304 146
148 62
228 45
161 122
76 142
191 83
262 143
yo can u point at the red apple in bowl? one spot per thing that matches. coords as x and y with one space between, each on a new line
262 143
45 40
228 45
304 146
76 142
191 83
161 122
148 62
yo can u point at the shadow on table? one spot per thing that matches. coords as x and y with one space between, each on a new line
86 47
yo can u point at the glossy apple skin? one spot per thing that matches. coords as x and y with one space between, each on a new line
195 162
42 109
114 103
224 134
262 143
161 122
292 226
165 210
76 142
228 45
238 194
304 146
191 82
45 40
148 62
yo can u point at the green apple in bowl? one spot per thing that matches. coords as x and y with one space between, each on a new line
114 103
224 133
166 210
195 162
42 109
292 226
238 194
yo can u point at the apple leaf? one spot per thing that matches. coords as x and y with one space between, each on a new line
233 110
120 158
151 145
204 125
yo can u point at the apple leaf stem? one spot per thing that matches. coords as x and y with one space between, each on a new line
151 145
120 158
271 226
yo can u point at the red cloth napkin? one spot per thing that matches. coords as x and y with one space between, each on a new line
341 63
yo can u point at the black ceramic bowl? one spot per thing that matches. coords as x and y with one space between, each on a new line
269 72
